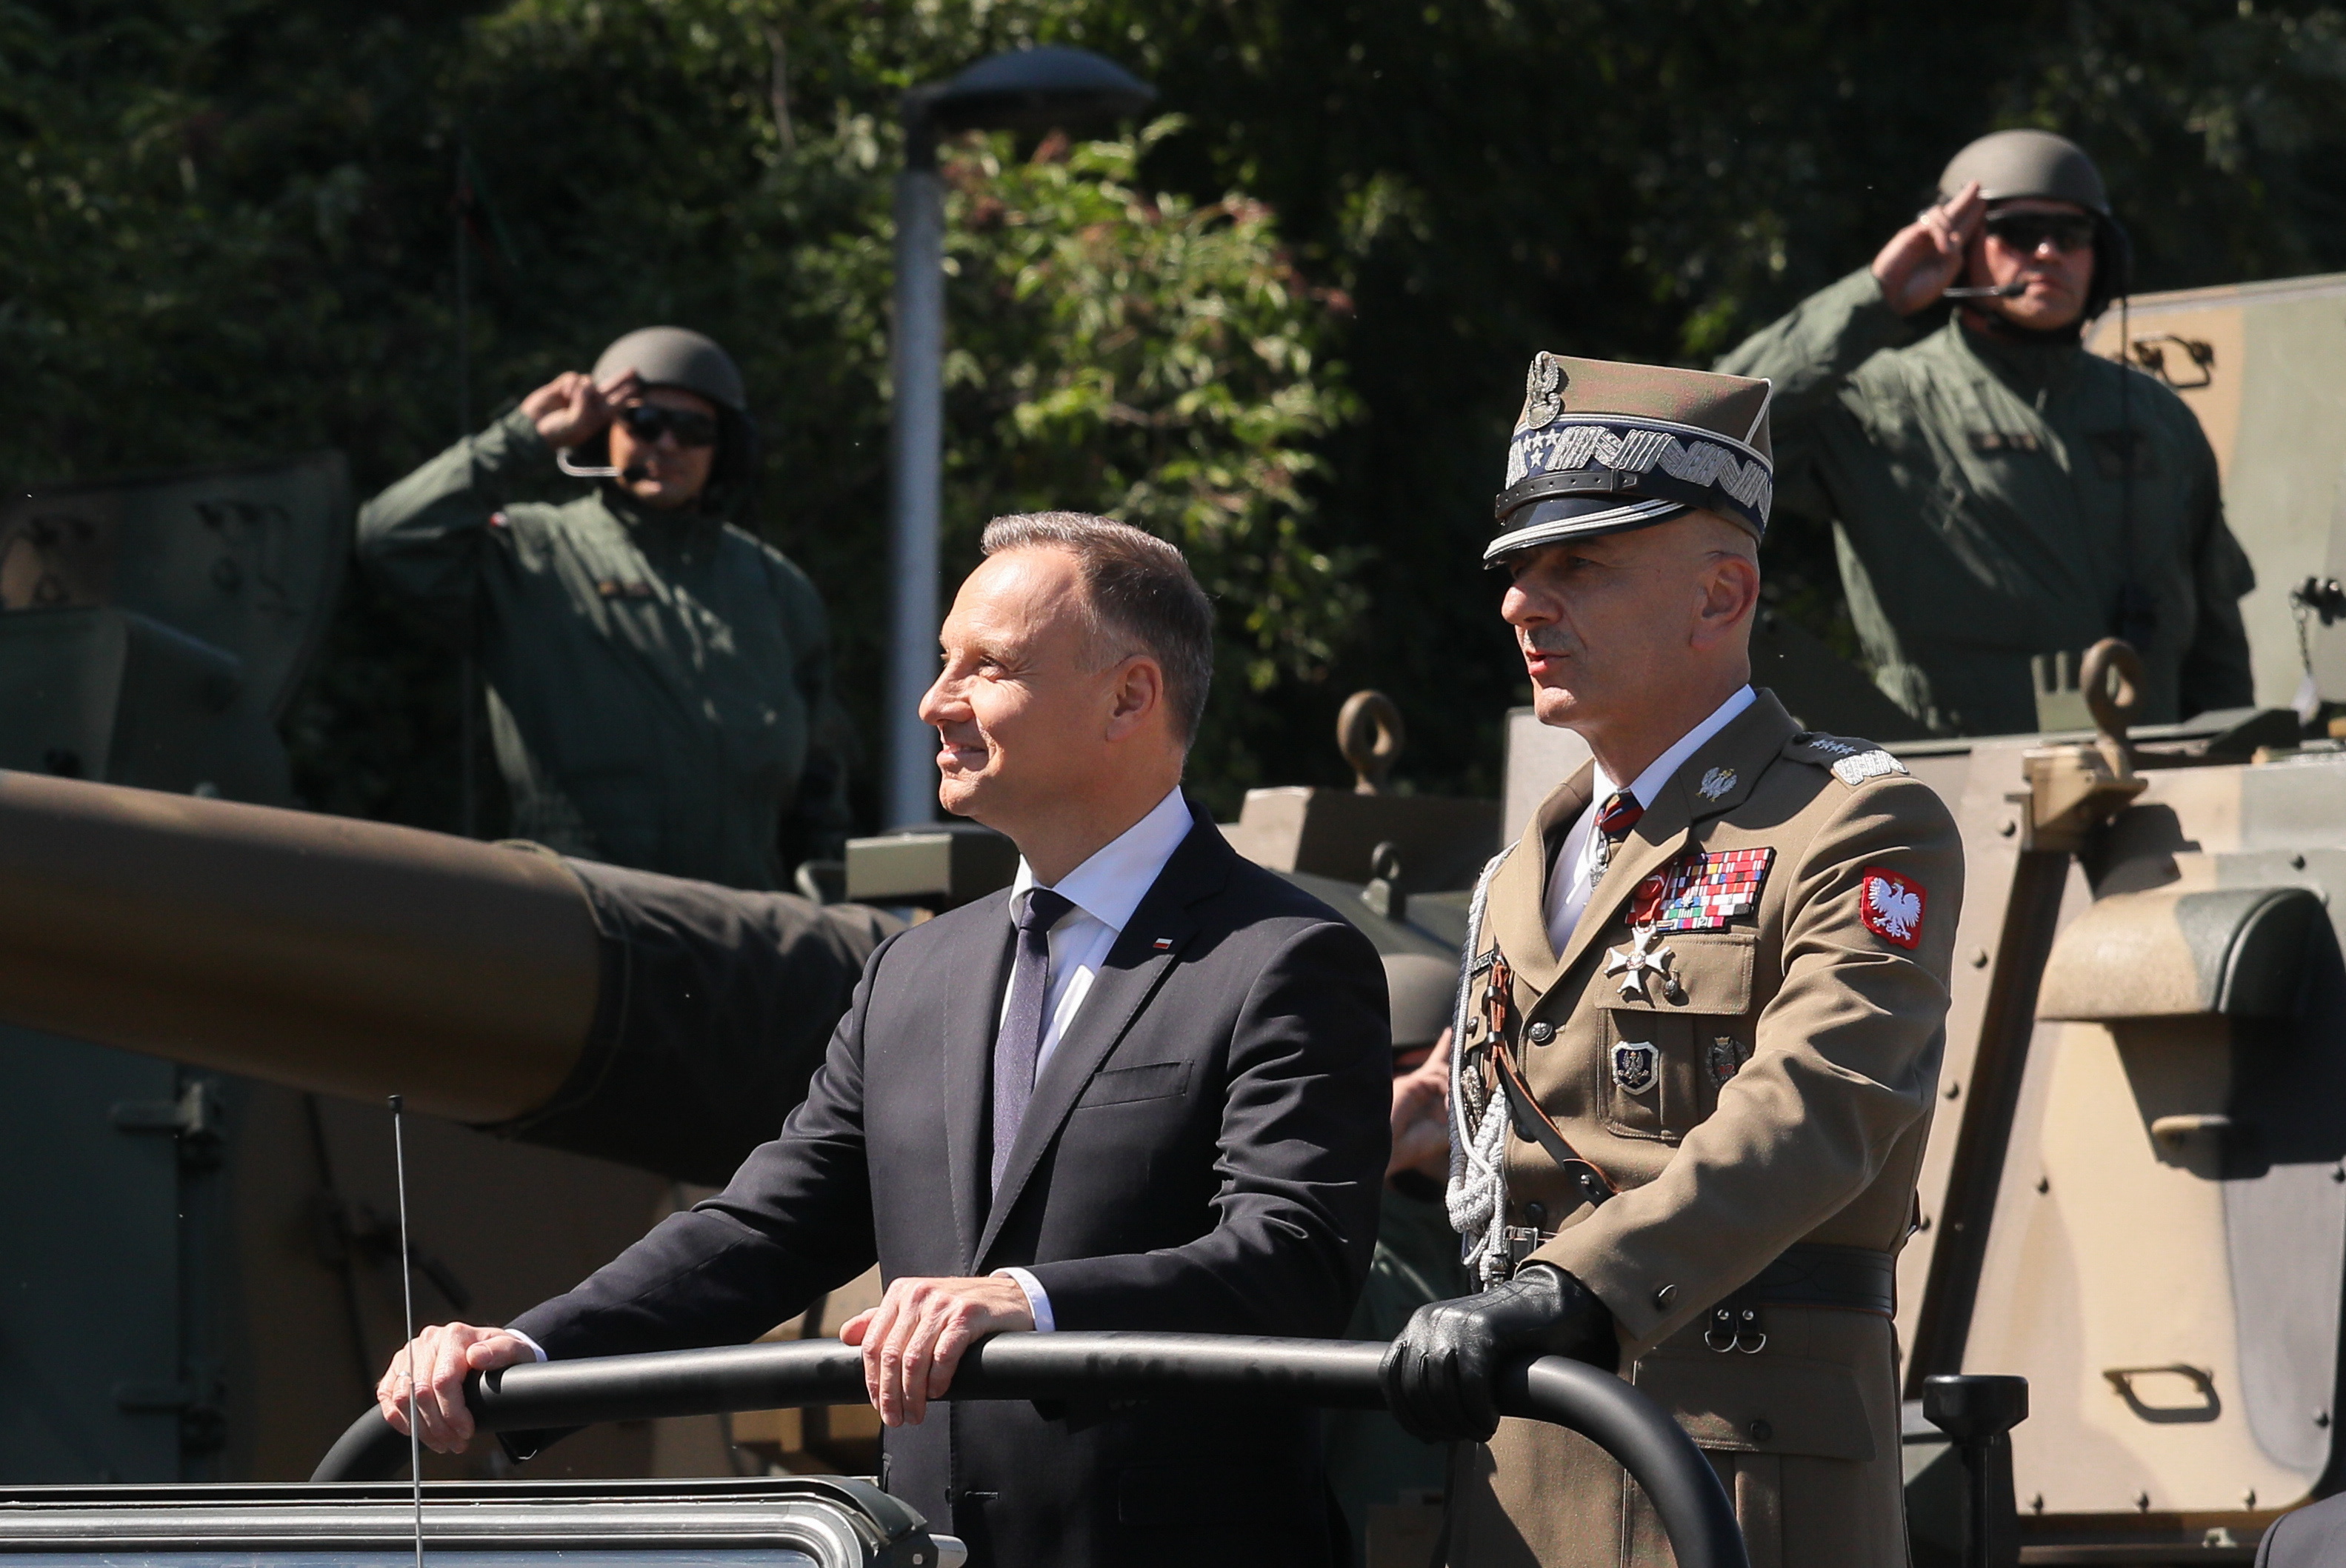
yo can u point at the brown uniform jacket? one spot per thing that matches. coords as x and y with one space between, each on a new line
1775 1089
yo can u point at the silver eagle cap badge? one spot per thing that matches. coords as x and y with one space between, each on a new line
1543 393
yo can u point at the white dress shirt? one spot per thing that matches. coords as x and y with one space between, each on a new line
1577 870
1105 889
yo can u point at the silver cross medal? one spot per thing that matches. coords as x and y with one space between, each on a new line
1640 963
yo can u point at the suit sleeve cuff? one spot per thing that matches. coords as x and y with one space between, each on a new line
535 1349
1038 1300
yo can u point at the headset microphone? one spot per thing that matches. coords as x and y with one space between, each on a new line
580 470
2012 291
628 475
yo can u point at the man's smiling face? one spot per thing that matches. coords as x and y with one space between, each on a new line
1021 704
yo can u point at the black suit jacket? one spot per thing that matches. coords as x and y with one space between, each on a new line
2312 1537
1204 1151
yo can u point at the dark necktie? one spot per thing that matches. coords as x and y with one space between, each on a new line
1020 1044
1614 819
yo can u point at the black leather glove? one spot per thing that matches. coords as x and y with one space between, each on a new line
1441 1375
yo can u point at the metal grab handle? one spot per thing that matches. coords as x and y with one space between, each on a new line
2203 1385
1638 1433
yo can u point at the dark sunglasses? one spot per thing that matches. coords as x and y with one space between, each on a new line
647 422
2025 231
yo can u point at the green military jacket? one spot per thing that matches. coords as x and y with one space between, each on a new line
1982 512
659 683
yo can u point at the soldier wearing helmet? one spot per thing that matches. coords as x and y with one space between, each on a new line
1998 496
658 680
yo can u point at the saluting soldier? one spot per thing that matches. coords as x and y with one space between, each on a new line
658 679
2000 495
1700 1028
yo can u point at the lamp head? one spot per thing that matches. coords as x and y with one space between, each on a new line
1033 89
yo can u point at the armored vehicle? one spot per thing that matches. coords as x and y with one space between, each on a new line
2135 1198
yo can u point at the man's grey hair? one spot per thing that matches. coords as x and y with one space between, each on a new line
1143 598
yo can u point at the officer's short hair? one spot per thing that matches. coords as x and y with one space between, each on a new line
1144 598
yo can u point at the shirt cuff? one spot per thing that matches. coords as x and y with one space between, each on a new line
1038 1300
536 1347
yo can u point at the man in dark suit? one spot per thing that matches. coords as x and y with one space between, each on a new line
2310 1538
1144 1089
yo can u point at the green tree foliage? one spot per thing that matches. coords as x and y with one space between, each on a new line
1112 347
230 228
1155 357
1652 181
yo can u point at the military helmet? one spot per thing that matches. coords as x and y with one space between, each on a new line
2014 165
1423 989
692 362
675 357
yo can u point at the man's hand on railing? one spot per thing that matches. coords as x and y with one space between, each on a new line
445 1354
913 1340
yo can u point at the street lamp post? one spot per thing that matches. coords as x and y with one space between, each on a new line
915 465
1025 90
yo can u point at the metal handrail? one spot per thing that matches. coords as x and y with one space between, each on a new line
1229 1369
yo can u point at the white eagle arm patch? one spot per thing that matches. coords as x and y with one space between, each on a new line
1892 907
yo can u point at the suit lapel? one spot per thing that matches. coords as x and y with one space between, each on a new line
1729 763
1135 967
1518 900
980 968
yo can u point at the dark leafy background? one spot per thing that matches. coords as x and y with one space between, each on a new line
1286 324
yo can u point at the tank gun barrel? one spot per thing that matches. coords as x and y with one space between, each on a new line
348 957
658 1021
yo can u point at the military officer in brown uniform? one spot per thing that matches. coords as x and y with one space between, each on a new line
1701 1024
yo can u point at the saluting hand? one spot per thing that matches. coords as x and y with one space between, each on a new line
1927 254
912 1342
443 1354
571 408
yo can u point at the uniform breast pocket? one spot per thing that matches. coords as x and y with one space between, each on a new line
1668 1051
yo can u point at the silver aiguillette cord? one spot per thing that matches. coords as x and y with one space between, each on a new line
407 1303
